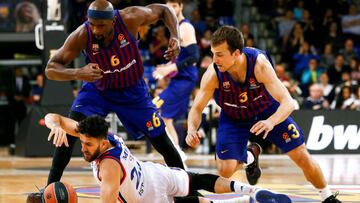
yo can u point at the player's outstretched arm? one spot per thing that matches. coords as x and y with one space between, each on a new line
207 87
137 16
265 74
59 126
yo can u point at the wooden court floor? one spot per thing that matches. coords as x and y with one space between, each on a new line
19 176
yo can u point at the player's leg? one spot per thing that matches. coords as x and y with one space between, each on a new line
231 147
171 131
142 118
174 103
217 184
312 172
290 139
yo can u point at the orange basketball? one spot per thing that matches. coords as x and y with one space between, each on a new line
59 192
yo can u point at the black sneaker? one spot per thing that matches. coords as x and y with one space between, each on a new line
332 199
35 197
253 171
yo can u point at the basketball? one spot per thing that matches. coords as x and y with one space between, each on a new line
59 192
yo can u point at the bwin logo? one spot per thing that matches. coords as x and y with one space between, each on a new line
321 135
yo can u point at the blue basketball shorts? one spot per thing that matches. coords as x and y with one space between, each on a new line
233 136
132 105
174 100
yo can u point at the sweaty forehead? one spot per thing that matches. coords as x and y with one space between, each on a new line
220 48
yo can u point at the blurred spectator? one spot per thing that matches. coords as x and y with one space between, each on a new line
189 7
245 29
158 45
38 88
280 72
316 101
281 8
310 33
334 36
27 16
344 100
7 21
329 17
302 58
351 23
209 13
77 13
355 71
349 51
356 103
327 59
199 24
22 95
299 10
285 24
311 74
205 43
326 87
291 44
250 42
7 118
337 69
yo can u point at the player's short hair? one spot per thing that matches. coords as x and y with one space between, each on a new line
93 126
229 34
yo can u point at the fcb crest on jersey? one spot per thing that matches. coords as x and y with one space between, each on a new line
226 85
253 84
149 126
122 40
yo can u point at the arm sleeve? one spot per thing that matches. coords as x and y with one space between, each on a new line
192 58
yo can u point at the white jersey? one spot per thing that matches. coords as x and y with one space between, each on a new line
143 181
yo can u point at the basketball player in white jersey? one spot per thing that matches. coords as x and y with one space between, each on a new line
123 178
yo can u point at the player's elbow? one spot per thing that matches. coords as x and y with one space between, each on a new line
49 73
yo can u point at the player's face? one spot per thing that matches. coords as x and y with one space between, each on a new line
101 29
90 147
177 7
222 56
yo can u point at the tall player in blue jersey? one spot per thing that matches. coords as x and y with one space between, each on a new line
113 76
174 100
253 100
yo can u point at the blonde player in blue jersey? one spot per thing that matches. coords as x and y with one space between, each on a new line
174 100
123 178
113 76
253 100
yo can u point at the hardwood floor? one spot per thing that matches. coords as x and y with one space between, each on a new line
19 176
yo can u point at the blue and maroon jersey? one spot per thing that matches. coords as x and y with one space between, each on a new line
120 62
243 100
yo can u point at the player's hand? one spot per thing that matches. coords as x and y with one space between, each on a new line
264 126
193 139
90 73
173 49
163 70
59 136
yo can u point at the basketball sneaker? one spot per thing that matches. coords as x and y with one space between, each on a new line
35 197
253 171
266 196
332 199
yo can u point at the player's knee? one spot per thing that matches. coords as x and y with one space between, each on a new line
226 172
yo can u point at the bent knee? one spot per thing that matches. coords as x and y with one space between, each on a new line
226 171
